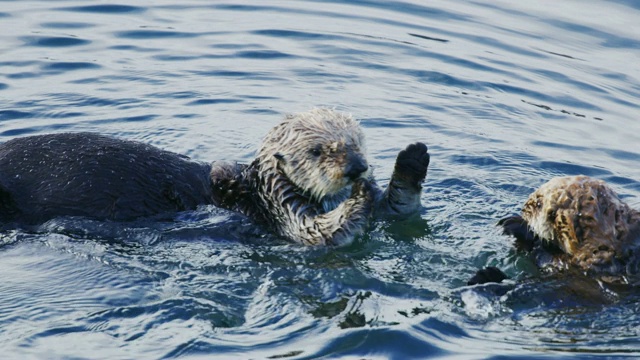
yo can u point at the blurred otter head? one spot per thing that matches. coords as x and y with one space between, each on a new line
586 219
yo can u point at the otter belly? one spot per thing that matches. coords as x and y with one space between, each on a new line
84 174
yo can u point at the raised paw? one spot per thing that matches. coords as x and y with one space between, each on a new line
412 163
489 274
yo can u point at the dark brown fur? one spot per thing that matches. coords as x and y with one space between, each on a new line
587 220
95 176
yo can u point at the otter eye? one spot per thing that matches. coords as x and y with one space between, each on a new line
316 151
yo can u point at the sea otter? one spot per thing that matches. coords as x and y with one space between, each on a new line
310 182
579 222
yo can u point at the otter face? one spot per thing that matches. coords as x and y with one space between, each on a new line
320 151
582 216
540 210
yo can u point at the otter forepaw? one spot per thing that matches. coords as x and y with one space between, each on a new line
362 188
412 163
362 197
518 227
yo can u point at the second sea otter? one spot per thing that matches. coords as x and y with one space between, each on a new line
575 222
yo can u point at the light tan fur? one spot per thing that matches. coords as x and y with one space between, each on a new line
587 220
313 148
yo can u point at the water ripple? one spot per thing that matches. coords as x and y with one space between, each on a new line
66 25
213 101
105 9
279 33
14 114
261 54
69 66
57 41
607 39
153 34
506 95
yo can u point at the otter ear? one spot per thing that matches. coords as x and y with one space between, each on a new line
280 157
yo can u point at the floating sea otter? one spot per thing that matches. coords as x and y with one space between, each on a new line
310 181
579 222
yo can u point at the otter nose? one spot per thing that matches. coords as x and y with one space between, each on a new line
355 168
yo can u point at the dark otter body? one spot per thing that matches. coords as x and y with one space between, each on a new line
95 176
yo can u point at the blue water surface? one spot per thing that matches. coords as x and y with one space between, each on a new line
506 94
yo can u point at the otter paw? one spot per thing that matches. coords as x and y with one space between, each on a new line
360 204
489 274
518 227
412 163
362 188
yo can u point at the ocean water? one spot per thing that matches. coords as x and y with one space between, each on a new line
506 95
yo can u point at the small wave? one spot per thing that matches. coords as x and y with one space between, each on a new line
153 34
55 41
104 9
69 66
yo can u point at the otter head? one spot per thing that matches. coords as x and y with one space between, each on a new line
540 209
582 216
320 151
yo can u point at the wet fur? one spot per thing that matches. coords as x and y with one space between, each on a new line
298 184
310 181
95 176
575 223
585 219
